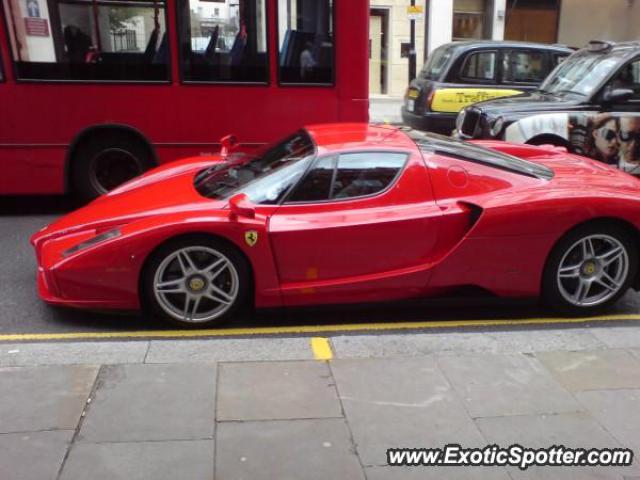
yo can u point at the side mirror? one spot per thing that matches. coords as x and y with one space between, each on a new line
617 95
240 206
229 143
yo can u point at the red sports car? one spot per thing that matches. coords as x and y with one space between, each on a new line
349 213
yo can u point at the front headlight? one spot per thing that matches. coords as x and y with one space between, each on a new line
103 237
496 127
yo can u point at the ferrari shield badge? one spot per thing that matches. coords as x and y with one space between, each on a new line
251 237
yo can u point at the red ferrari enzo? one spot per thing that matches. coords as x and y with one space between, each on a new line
349 213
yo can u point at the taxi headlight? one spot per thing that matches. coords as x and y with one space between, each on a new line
496 127
103 237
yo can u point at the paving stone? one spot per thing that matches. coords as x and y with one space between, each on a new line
276 390
69 353
43 398
287 449
619 336
184 460
573 430
151 402
530 341
34 455
400 402
436 473
618 411
594 369
230 350
498 385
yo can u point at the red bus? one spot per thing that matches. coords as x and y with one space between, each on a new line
93 92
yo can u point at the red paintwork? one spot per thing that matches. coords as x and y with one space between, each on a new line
40 120
415 239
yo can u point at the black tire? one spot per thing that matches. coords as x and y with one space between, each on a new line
105 161
551 292
152 305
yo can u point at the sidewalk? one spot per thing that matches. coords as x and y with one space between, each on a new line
265 408
385 110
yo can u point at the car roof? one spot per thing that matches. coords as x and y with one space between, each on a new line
340 136
469 44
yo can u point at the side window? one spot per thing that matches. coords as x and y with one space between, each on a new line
349 175
89 40
316 185
223 41
558 58
629 77
360 174
522 66
305 41
480 66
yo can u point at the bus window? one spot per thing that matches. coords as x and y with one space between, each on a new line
89 40
305 40
223 41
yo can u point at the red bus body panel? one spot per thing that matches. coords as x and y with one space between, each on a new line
41 120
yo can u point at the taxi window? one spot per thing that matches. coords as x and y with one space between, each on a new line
480 66
628 77
522 66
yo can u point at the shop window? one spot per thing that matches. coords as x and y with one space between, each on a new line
523 67
480 66
223 41
305 41
468 19
89 40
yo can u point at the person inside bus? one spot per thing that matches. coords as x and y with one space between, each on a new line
307 61
77 43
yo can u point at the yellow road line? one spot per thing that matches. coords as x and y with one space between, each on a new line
311 329
321 348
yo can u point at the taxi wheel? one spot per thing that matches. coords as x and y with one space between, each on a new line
195 282
590 269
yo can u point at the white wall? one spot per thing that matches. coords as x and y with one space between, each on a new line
440 28
499 12
584 20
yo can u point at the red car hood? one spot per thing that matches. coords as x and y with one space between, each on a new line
166 189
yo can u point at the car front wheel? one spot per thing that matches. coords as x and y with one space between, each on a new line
590 269
195 282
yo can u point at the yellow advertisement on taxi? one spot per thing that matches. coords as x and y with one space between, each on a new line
453 100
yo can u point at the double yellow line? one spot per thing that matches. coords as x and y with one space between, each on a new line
312 329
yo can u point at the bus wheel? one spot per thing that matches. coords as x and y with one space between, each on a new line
103 163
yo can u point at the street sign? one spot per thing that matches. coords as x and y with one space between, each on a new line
415 12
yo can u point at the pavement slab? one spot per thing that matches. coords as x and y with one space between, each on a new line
230 350
151 402
183 460
400 402
317 449
618 411
436 473
574 430
33 455
618 337
276 390
499 385
44 398
593 369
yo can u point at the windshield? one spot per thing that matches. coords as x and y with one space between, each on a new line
264 178
436 62
441 145
581 73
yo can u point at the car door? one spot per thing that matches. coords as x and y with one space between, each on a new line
360 226
611 134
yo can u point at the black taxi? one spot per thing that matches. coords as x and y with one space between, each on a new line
590 105
458 74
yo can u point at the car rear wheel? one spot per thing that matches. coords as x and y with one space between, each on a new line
195 282
590 269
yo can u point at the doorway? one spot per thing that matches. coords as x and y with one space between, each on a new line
378 50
